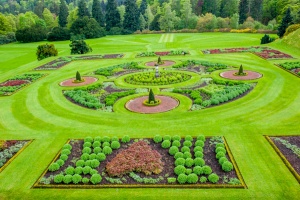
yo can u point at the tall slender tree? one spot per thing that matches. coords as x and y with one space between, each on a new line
131 17
256 9
97 13
286 21
143 7
82 9
186 12
243 10
112 16
63 14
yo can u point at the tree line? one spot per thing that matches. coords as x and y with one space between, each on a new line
36 20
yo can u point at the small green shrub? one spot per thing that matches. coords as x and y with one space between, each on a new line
188 171
64 157
167 137
203 179
173 150
96 144
185 149
78 170
182 178
157 139
45 51
187 155
188 138
88 163
58 178
220 145
115 145
96 178
65 152
106 139
86 170
93 171
199 143
192 178
87 150
95 163
92 156
178 155
98 139
85 180
54 167
105 144
206 170
187 143
220 149
125 139
97 150
220 155
76 178
87 144
60 162
180 169
198 170
213 178
201 137
179 161
88 139
227 166
171 180
67 179
70 170
107 150
101 157
199 162
222 160
176 143
166 144
67 146
85 156
115 138
198 154
176 138
198 148
189 162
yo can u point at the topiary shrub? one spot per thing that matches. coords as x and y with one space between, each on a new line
85 156
198 148
67 179
213 178
176 138
201 137
64 157
70 170
86 170
166 144
222 160
53 167
85 180
93 171
206 170
101 157
188 171
96 178
87 150
187 155
45 51
60 162
220 145
95 163
178 155
176 143
227 166
203 179
220 155
187 143
199 162
97 150
92 156
115 138
67 146
125 139
96 144
182 178
107 150
87 144
157 138
66 152
79 47
220 149
76 178
78 77
198 170
78 170
188 138
105 144
98 139
185 149
180 169
58 178
173 150
179 161
115 145
88 139
88 163
199 143
106 139
198 154
171 180
192 178
167 137
189 162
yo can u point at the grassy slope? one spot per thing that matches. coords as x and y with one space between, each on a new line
40 112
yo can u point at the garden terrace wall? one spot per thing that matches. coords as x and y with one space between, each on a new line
124 185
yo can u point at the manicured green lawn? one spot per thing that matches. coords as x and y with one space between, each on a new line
42 113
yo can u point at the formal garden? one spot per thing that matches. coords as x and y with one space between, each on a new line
210 115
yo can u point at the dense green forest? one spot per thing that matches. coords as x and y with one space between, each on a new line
36 20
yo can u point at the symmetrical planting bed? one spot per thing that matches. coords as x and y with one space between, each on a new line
162 53
198 66
158 162
8 150
288 148
264 52
116 70
293 67
16 83
62 61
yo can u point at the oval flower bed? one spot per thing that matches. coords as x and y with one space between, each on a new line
71 82
158 162
249 75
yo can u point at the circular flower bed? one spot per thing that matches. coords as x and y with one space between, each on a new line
156 103
71 83
166 63
249 75
165 78
167 104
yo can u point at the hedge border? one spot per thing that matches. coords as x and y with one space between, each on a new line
285 161
278 65
185 186
12 158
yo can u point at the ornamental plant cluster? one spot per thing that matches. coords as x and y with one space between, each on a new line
291 66
109 71
17 82
165 53
221 156
83 98
8 148
139 157
149 78
209 66
189 162
294 148
112 98
84 170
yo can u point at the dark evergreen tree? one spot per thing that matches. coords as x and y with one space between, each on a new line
210 6
143 7
63 14
286 21
59 34
88 27
103 7
82 9
243 11
154 26
198 7
97 13
151 97
241 70
266 39
78 76
131 17
45 51
256 9
112 16
39 8
79 47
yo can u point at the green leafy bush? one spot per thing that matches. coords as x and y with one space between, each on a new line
220 145
92 156
105 144
180 169
203 179
206 170
176 143
125 139
182 178
199 143
98 139
178 155
85 156
173 150
58 178
179 161
60 162
76 178
88 139
201 137
166 144
157 138
88 163
198 170
227 166
115 145
188 138
115 138
107 150
45 51
86 170
97 150
94 163
64 157
87 144
176 138
84 98
67 146
187 154
199 162
198 154
96 178
198 148
189 162
96 144
167 137
85 180
192 178
101 157
67 179
222 160
106 139
93 171
220 155
78 170
66 152
213 178
187 143
171 180
70 170
54 167
87 150
185 149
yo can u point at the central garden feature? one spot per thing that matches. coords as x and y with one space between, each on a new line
149 78
248 75
85 81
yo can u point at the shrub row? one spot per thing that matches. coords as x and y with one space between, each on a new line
64 155
109 71
83 98
209 66
112 98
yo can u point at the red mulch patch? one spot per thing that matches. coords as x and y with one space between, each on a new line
166 63
14 82
250 75
167 103
87 80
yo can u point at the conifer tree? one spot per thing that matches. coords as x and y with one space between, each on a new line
241 70
286 21
78 76
143 7
151 97
256 9
63 14
97 12
131 17
82 9
243 10
112 16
